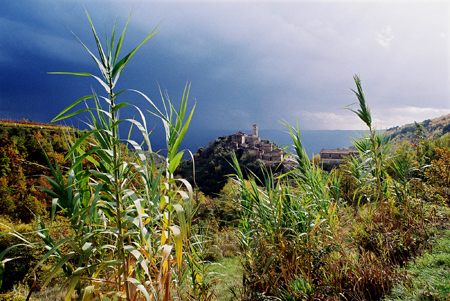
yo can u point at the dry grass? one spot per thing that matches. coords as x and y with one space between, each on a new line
20 293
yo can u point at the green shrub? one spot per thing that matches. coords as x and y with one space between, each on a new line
25 258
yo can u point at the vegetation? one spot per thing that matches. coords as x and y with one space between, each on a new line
211 169
129 219
431 129
31 124
213 166
311 241
428 276
22 166
116 225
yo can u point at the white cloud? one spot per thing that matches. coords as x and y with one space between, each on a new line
418 111
239 113
329 120
405 115
385 37
381 118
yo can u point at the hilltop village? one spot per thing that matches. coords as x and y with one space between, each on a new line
213 163
256 148
253 146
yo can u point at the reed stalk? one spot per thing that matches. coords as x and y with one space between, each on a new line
128 215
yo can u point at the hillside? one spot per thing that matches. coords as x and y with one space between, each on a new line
432 129
212 163
22 166
30 124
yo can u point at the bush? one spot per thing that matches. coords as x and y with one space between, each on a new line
446 129
20 269
24 258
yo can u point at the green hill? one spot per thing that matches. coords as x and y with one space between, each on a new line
432 129
22 165
213 163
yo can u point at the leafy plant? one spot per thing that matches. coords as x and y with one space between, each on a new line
131 218
369 168
284 232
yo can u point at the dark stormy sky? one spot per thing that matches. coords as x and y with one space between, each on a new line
248 61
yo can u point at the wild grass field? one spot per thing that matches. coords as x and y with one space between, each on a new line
118 225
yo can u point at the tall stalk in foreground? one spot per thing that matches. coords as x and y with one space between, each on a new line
111 69
128 215
285 232
373 149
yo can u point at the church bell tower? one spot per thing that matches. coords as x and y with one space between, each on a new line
255 130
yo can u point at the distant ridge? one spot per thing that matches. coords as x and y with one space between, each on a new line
31 124
432 129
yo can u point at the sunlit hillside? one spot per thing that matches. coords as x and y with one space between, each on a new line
432 129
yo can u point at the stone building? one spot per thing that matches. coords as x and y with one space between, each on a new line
238 138
330 158
263 149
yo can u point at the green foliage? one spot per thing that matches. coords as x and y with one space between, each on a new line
21 259
131 219
438 174
391 226
26 256
22 166
432 130
281 232
427 148
428 276
212 166
215 214
134 231
349 191
363 112
229 273
308 234
446 129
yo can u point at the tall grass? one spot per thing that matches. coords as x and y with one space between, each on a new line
284 232
300 241
387 227
369 168
131 218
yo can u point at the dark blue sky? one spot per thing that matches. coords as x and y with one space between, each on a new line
248 61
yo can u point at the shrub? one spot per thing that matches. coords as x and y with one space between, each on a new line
446 129
24 258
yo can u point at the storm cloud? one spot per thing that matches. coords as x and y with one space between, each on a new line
248 61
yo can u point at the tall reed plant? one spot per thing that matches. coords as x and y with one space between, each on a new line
370 167
386 227
130 216
286 227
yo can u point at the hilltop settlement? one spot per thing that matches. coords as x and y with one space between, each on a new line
213 162
253 145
